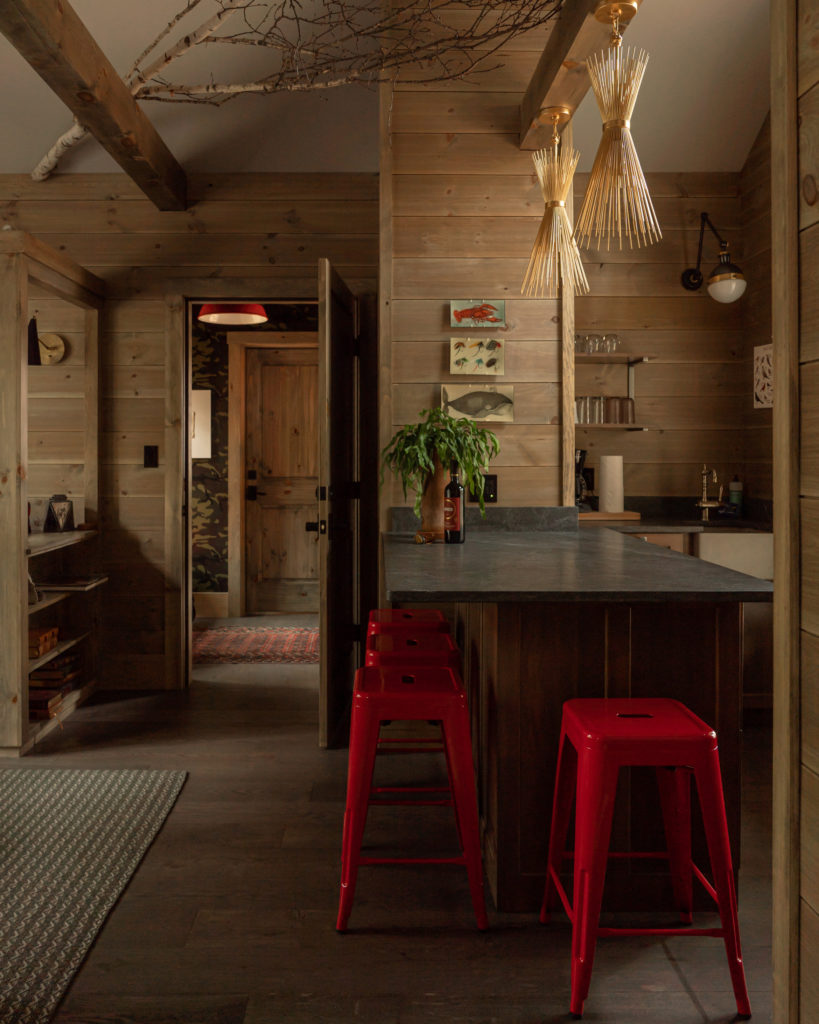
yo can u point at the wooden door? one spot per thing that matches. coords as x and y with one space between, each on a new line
281 476
337 506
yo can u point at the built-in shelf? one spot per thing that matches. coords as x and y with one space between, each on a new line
75 585
609 426
63 645
40 543
40 727
46 602
626 358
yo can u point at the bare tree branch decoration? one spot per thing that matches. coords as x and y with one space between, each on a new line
322 44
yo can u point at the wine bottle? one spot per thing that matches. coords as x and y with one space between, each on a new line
454 527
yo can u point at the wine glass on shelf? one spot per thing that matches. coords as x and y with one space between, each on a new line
611 343
593 343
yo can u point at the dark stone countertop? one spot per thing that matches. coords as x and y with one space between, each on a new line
585 565
678 525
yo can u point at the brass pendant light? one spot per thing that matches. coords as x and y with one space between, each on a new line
555 258
617 204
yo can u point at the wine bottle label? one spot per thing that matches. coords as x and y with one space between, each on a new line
452 514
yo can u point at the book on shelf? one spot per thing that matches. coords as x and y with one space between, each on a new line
45 698
50 680
41 640
45 713
72 583
58 667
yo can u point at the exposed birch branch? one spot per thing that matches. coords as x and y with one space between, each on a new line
324 44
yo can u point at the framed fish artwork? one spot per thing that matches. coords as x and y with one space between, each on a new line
476 355
477 313
479 402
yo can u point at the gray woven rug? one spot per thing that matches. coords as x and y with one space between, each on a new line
70 839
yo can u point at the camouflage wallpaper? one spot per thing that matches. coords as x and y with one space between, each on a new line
209 478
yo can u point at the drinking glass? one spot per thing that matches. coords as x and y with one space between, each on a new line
596 409
611 342
581 405
593 343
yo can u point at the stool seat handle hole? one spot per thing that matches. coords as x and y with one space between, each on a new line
623 714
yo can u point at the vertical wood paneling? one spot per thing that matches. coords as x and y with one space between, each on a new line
755 194
792 960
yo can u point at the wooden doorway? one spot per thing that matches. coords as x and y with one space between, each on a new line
273 472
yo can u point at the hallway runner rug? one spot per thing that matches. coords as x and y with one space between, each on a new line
70 840
230 644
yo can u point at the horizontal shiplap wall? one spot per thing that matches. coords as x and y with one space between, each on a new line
266 233
464 212
465 207
691 393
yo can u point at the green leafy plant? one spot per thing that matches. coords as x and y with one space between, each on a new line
411 453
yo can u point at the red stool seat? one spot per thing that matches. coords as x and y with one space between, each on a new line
391 620
597 738
409 694
412 647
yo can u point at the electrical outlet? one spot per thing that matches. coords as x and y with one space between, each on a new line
490 489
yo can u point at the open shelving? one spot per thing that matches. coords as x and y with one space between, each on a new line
37 280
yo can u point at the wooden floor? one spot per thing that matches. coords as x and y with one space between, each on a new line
230 917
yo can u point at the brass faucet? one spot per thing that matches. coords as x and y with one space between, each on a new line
705 503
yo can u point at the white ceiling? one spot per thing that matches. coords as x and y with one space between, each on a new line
703 99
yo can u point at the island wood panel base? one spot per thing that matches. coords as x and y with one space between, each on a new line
523 660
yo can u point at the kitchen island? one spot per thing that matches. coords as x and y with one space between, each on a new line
545 616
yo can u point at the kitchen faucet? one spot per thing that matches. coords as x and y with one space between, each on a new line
705 503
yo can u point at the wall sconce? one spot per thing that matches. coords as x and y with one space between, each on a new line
235 314
726 282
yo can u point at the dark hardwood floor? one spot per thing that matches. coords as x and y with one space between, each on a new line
230 917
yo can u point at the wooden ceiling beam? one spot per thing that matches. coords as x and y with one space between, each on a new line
560 78
51 37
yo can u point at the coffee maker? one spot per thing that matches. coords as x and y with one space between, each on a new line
581 489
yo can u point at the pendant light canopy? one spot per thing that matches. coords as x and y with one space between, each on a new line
555 258
232 314
617 203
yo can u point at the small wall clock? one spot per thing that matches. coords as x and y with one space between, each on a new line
52 348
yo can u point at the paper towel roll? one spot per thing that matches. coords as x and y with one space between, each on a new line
610 488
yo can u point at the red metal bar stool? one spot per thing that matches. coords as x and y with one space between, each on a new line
604 736
409 694
392 620
412 647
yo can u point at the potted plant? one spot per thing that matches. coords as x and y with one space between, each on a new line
420 454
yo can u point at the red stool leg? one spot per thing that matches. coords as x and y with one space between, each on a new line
675 798
712 802
596 790
565 783
458 745
364 728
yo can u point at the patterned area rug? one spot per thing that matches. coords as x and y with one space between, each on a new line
70 839
295 644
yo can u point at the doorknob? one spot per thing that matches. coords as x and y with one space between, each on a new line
319 526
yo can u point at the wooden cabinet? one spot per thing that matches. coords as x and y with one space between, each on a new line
48 445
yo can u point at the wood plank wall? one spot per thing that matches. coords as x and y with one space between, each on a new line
808 121
465 207
465 210
266 233
691 393
755 197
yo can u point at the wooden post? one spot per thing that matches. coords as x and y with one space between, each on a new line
13 514
787 603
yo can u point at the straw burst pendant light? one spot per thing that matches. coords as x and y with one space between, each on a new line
617 203
555 258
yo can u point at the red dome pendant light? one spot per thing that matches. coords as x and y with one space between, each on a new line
232 314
